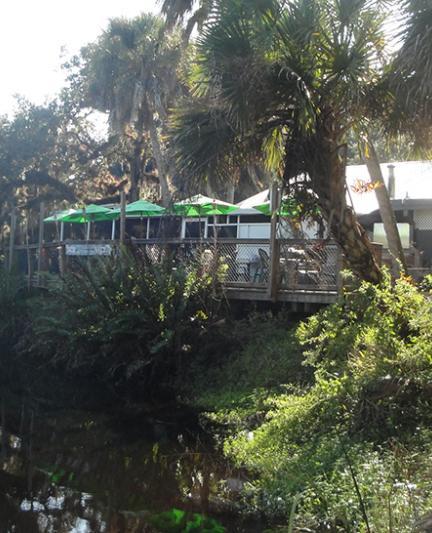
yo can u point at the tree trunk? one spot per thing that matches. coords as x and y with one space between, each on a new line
355 244
160 162
320 156
386 210
136 167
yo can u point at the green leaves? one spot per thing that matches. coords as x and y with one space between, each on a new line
366 415
126 320
179 521
265 72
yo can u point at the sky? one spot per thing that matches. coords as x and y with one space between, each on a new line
36 36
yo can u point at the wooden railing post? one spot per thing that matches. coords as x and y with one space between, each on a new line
339 268
62 259
273 283
40 240
29 268
12 239
29 255
378 252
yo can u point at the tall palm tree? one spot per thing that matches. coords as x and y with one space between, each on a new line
287 79
131 73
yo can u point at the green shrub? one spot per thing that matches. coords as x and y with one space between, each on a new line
13 294
261 354
426 283
13 318
353 446
179 521
375 347
127 320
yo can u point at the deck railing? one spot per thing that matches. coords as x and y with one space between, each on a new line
302 265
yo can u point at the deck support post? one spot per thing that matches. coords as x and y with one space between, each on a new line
339 268
29 255
122 217
62 259
40 241
12 239
273 283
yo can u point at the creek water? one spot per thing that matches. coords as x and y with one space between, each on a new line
82 472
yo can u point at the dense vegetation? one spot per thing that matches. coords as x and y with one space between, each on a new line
329 419
288 97
332 421
126 321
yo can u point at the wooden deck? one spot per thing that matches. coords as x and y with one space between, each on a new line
293 296
291 270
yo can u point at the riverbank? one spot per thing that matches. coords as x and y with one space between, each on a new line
315 425
133 461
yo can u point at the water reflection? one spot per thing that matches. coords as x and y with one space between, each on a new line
86 474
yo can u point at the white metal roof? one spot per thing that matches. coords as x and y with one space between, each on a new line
413 179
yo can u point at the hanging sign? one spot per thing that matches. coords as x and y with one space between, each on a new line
88 249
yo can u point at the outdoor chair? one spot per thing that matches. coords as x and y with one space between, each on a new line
261 273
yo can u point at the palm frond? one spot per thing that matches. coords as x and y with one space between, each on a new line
205 143
175 10
410 75
414 62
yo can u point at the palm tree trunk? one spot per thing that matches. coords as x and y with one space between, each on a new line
136 168
386 210
326 167
160 162
355 244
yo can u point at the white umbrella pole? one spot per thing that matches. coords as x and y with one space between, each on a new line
61 231
88 231
148 228
113 230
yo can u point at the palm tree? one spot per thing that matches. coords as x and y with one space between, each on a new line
410 76
131 73
403 101
414 57
287 79
176 11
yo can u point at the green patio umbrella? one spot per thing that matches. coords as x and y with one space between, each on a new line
91 213
57 217
200 205
288 208
140 208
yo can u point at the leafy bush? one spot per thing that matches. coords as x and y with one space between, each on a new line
426 283
127 320
13 318
353 446
179 521
12 307
374 349
261 355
